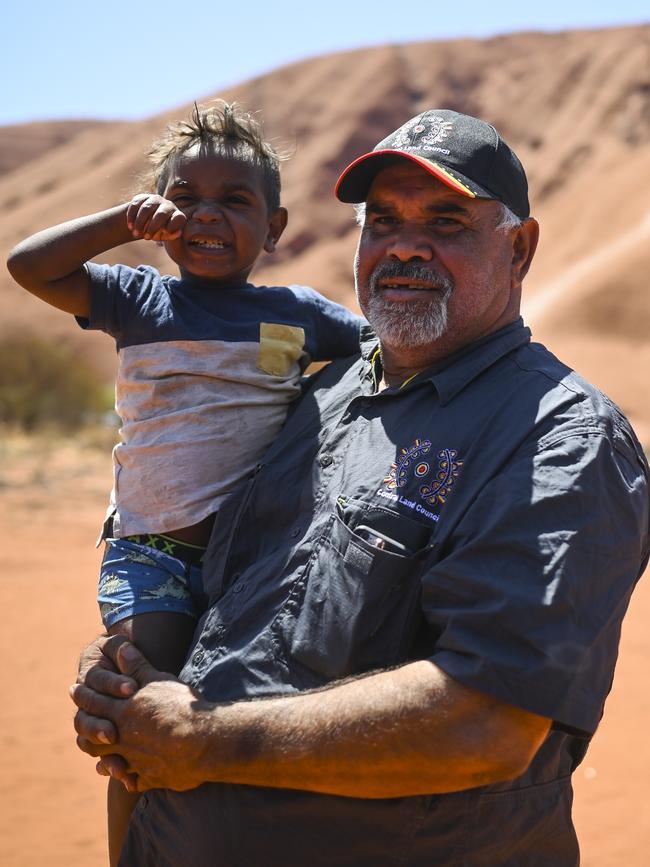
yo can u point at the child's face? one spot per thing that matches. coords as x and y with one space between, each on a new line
228 220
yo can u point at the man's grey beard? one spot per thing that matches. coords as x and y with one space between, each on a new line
414 323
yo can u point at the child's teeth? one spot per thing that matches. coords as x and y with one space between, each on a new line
213 245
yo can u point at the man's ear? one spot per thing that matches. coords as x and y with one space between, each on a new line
277 225
523 249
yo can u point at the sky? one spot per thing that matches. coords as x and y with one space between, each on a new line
123 59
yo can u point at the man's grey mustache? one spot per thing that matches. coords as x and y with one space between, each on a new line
410 271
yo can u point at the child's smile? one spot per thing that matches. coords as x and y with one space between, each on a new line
228 220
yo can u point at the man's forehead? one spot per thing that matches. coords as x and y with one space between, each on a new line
405 178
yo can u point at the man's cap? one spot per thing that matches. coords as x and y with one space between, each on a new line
465 153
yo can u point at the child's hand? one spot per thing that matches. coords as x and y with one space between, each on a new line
154 218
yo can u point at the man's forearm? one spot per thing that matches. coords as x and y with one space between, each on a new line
409 731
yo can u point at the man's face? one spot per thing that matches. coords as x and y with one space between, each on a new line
433 271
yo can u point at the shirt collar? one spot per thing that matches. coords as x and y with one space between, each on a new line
368 342
450 375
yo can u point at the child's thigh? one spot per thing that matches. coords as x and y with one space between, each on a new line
135 579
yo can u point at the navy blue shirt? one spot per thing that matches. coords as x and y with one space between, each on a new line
491 515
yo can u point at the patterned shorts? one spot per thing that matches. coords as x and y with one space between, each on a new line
138 579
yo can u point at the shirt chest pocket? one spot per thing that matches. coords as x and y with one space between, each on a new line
356 606
281 346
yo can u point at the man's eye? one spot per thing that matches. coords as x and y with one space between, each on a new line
238 199
446 223
383 223
183 200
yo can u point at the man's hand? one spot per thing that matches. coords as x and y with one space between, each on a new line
99 670
154 218
157 729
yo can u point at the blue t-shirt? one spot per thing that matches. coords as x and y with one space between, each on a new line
204 382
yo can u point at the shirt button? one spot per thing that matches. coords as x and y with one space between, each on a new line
295 533
198 657
325 460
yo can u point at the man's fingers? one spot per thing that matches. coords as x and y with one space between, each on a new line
116 767
92 702
91 656
91 720
94 729
109 683
134 667
89 747
133 664
99 653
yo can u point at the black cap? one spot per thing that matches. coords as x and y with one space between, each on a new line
463 152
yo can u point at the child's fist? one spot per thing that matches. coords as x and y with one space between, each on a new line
154 218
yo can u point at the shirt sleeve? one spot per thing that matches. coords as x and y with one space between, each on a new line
529 599
116 295
334 331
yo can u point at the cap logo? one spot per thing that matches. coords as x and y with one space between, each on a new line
423 133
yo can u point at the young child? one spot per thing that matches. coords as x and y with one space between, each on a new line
208 364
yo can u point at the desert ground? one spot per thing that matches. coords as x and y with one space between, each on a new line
52 495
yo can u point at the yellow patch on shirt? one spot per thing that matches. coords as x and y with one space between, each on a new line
280 347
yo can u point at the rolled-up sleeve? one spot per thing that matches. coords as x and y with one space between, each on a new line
529 597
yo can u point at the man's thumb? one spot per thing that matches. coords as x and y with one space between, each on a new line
132 663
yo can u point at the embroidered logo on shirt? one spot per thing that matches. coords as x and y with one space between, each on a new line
438 474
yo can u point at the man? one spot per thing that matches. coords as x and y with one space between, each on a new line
416 600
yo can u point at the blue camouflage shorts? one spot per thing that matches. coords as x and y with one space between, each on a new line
138 578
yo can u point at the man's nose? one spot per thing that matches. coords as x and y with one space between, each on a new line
411 243
207 212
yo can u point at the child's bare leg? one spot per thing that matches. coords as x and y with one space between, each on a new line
164 638
120 804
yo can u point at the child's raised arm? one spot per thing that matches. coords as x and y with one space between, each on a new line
50 263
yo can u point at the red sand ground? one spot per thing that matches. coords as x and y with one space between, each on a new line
51 801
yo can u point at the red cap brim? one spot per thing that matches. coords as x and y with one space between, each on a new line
355 180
